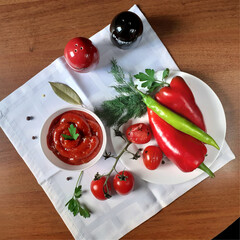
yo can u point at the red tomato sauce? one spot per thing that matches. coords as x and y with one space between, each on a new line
85 147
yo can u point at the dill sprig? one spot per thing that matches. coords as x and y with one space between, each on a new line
128 104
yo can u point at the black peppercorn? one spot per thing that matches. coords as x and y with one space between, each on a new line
28 118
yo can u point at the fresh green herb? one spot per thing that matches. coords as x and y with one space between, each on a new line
73 134
72 131
66 93
67 137
78 191
128 104
165 73
74 205
120 109
148 79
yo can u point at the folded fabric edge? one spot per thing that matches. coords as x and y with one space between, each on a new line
227 156
78 231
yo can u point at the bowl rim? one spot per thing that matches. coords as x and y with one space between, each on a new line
52 158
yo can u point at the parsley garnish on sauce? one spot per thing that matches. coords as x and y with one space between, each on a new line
73 134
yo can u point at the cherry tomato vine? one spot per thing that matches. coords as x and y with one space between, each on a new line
106 189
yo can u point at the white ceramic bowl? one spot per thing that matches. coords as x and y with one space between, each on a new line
54 159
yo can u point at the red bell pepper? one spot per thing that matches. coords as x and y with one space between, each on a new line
179 98
186 152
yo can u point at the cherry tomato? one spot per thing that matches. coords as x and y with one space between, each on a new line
126 30
123 182
97 188
81 55
152 157
139 133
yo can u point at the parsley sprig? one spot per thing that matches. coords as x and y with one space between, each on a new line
73 134
74 205
148 79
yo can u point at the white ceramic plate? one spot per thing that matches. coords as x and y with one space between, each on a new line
49 154
215 121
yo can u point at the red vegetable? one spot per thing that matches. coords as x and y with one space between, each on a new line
81 55
139 133
97 188
179 98
123 182
152 157
186 152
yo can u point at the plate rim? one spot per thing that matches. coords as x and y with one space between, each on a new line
174 73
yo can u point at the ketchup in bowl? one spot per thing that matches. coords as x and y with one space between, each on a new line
73 154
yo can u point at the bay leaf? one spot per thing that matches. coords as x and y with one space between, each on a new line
66 93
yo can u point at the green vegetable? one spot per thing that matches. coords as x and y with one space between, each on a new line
66 93
74 205
73 134
204 168
177 121
113 110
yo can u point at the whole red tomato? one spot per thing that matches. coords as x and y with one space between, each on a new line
97 188
152 157
123 182
81 55
139 133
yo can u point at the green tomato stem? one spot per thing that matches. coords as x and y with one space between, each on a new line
114 165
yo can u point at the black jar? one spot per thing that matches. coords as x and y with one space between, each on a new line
126 30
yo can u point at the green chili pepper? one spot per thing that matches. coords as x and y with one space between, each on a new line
204 168
178 122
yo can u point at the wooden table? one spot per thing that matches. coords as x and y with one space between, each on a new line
203 38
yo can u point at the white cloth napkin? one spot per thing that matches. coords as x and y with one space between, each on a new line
115 217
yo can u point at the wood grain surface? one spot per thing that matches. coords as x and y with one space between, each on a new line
202 37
